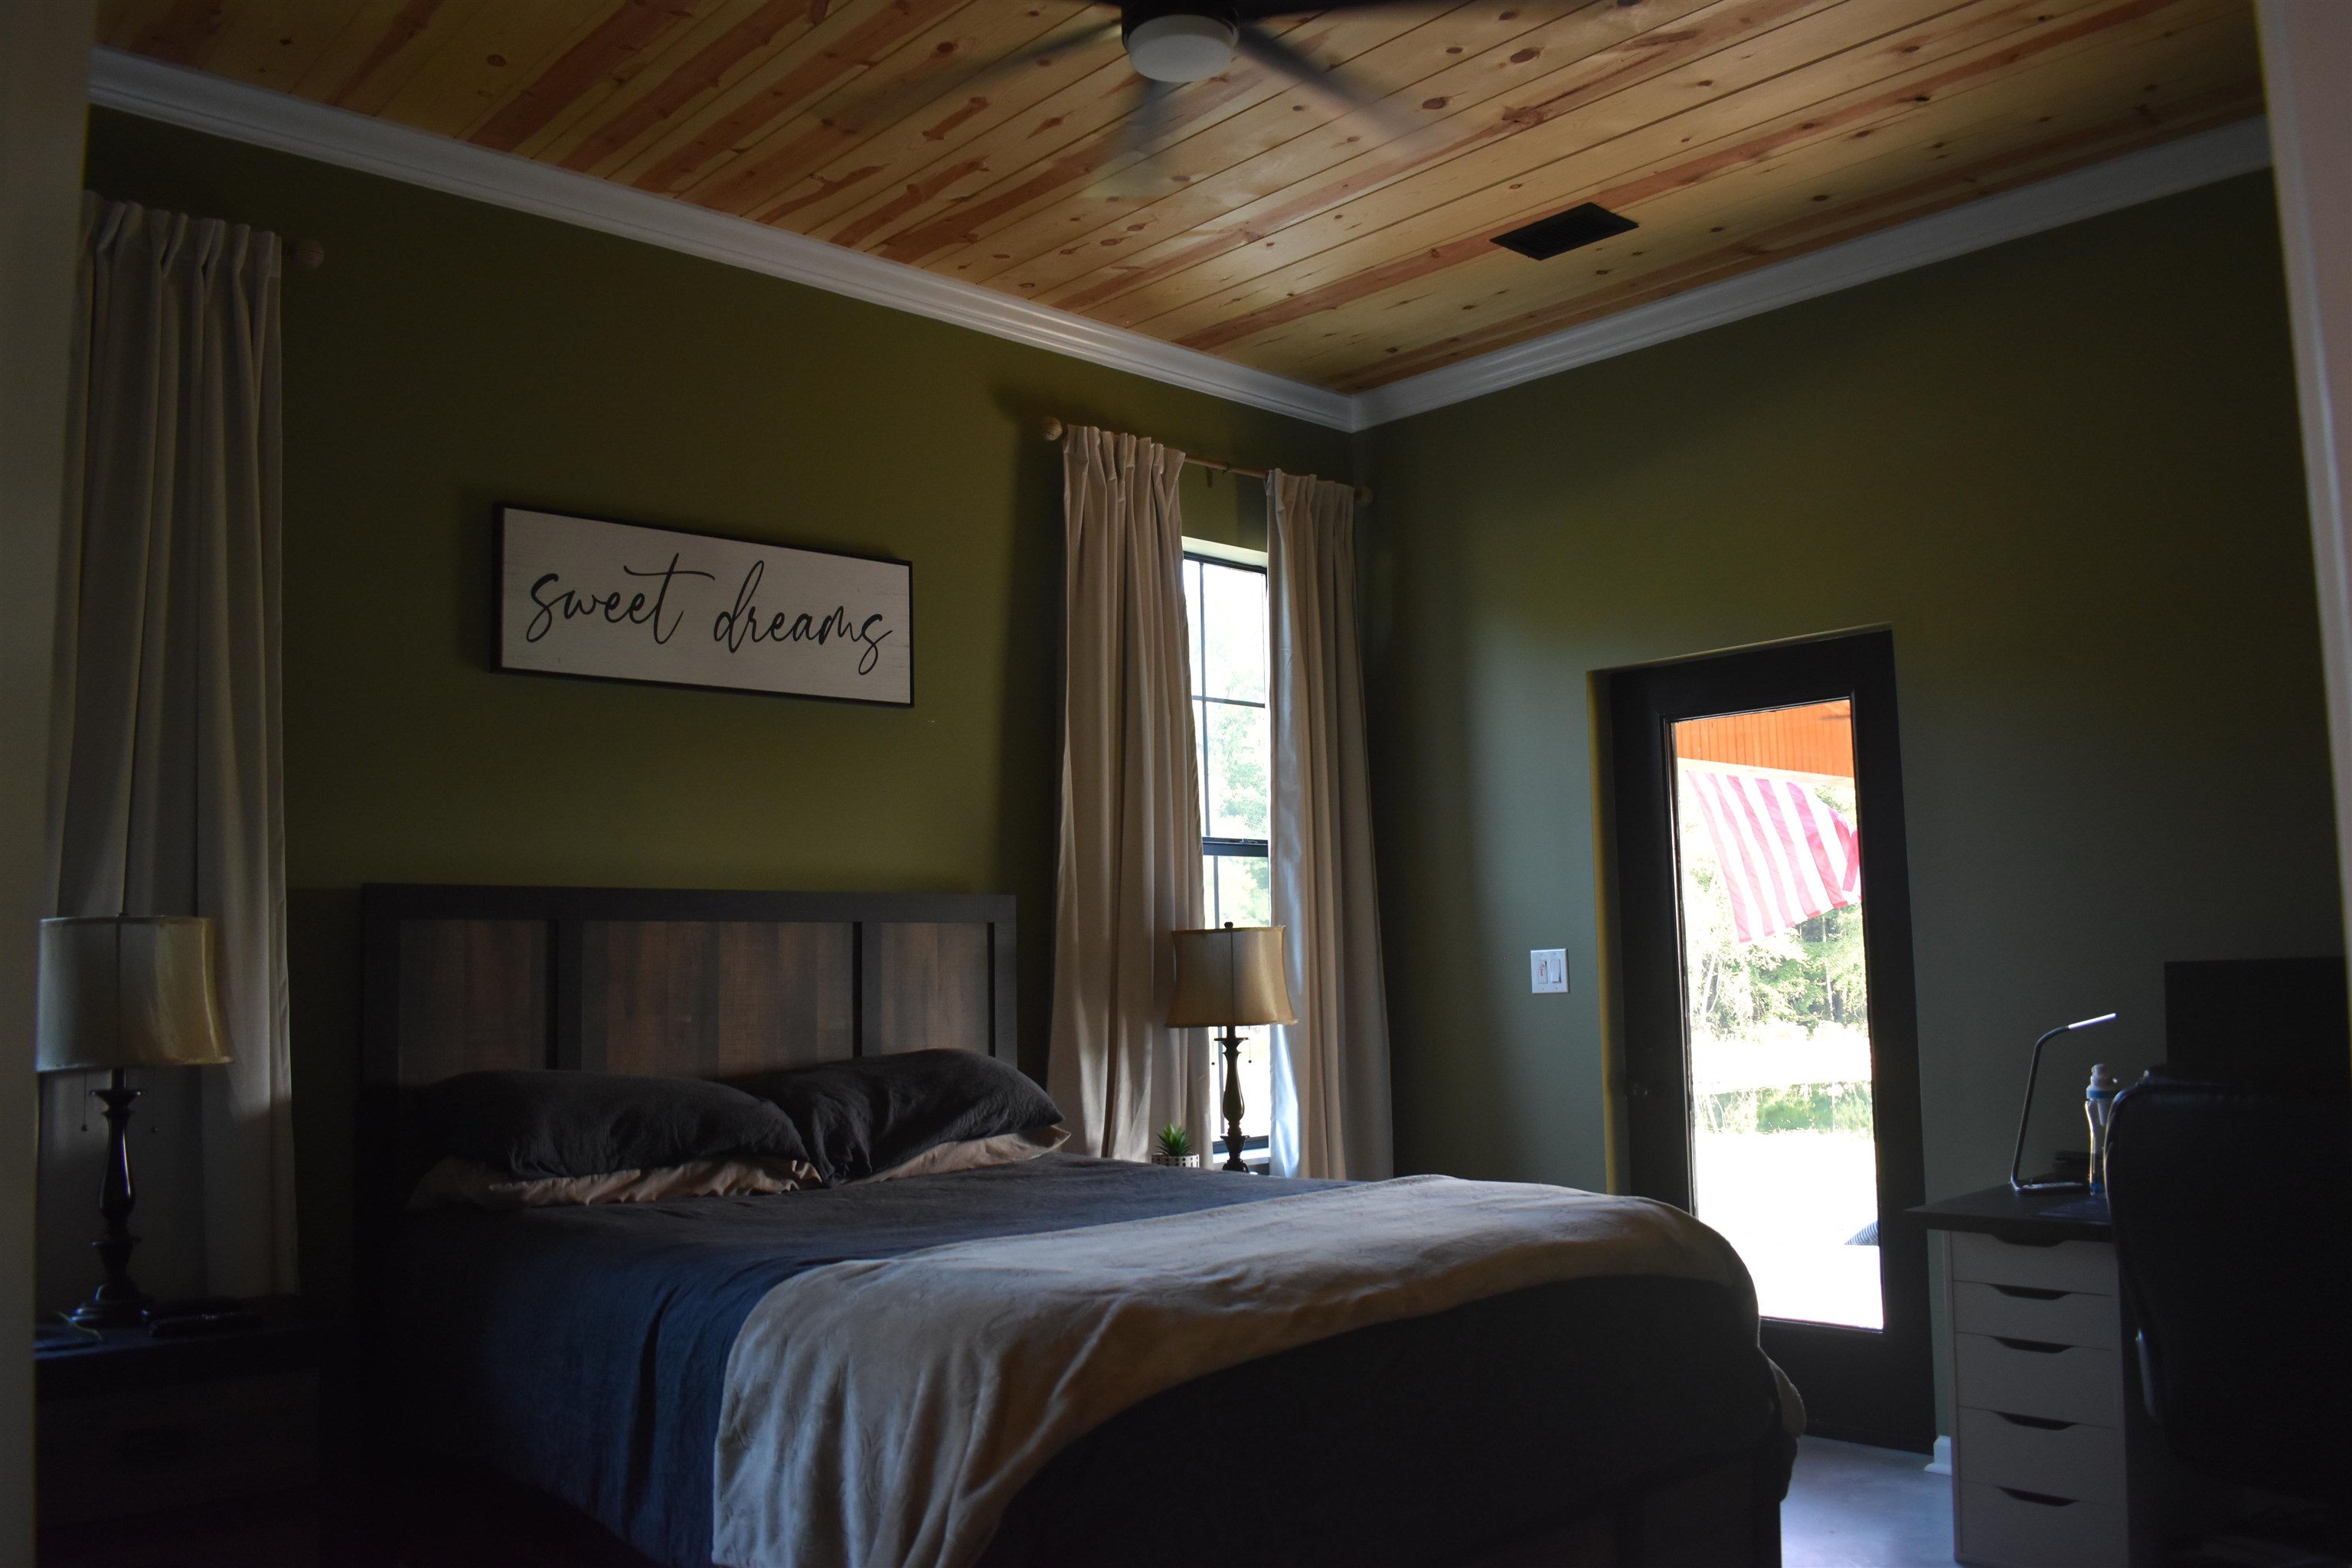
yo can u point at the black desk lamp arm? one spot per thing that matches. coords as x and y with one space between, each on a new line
2025 1116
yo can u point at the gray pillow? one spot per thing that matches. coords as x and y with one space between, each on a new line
538 1123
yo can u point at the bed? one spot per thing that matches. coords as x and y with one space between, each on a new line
566 1367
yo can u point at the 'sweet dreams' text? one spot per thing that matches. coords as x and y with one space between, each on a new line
743 626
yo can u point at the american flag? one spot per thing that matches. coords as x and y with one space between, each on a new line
1786 855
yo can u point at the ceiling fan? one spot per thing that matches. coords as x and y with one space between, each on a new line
1176 41
1172 42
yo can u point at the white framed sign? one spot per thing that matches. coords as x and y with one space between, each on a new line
614 601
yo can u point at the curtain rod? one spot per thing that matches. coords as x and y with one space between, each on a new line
1055 429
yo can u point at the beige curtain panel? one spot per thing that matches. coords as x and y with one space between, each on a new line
1131 844
165 759
1331 1067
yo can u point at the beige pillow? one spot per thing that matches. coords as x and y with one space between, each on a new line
1005 1148
454 1180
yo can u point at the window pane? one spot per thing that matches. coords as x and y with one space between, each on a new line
1200 711
1234 621
1193 624
1226 610
1257 1094
1234 803
1245 894
1783 1158
1235 888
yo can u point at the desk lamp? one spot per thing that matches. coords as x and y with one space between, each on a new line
119 993
1226 978
2017 1158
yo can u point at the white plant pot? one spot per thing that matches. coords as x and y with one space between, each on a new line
1182 1162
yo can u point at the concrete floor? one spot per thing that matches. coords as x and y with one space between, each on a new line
1853 1507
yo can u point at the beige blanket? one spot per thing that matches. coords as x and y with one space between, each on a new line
881 1415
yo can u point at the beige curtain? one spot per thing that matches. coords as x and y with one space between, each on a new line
1331 1067
1131 849
166 775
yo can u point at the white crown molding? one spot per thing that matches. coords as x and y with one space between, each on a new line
243 112
2137 178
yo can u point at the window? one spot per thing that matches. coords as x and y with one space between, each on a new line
1224 611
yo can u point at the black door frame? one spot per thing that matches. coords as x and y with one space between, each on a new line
1860 1385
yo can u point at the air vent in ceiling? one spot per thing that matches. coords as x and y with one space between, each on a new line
1548 236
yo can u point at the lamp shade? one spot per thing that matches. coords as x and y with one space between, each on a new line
134 991
1230 975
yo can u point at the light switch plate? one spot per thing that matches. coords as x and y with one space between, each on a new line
1547 969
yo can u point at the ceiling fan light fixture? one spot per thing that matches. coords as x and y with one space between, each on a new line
1181 47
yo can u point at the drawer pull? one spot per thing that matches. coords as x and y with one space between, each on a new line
2040 1423
2045 1498
2033 1293
2038 1347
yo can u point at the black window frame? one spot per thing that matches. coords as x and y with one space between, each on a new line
1257 1152
1198 658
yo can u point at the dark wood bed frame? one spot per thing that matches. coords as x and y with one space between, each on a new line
714 984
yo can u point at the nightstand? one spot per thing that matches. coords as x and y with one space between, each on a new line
129 1423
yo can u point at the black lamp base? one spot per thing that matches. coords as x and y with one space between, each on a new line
1232 1042
106 1309
118 1302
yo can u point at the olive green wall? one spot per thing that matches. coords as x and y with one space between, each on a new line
2065 471
451 355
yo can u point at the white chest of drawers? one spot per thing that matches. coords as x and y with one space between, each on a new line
2039 1463
2055 1461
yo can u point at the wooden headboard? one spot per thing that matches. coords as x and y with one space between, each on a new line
711 985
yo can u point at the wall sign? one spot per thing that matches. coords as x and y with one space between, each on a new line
617 602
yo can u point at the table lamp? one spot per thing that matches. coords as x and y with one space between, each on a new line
1226 978
118 992
2025 1116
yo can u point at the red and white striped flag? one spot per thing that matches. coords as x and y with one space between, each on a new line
1786 855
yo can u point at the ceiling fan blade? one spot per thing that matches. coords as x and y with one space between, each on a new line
872 111
1248 11
1265 49
1144 124
1053 47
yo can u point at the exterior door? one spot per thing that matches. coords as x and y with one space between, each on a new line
1770 1054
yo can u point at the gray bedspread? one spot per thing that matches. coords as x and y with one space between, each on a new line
582 1351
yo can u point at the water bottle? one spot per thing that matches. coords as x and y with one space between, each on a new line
2098 1099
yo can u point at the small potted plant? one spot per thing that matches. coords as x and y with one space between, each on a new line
1174 1147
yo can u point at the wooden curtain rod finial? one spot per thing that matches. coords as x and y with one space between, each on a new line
310 255
1052 428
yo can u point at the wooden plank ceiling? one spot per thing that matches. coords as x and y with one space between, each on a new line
1266 226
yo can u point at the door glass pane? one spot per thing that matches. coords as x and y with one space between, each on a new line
1783 1159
